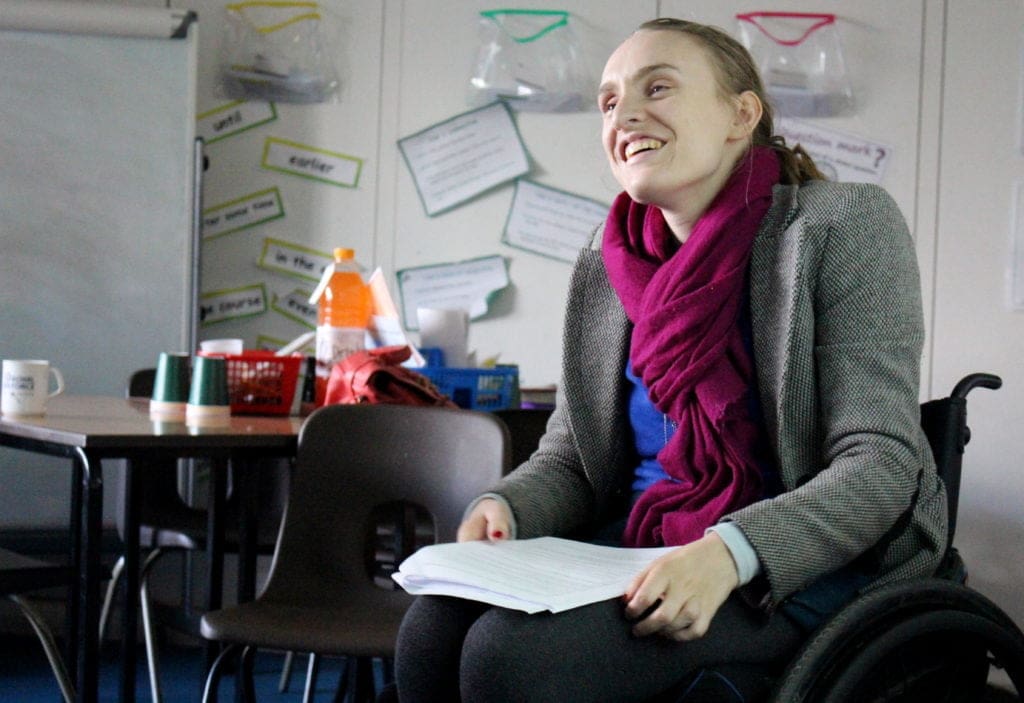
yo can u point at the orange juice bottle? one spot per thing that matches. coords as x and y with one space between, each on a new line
344 306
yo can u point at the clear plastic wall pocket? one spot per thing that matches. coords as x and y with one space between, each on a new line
532 60
276 50
801 61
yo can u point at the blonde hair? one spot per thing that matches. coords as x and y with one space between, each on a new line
736 72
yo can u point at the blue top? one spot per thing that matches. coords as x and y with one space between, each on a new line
651 431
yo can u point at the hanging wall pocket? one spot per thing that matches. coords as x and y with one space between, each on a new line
276 50
801 61
532 60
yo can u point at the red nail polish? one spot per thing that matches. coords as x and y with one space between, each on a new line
497 534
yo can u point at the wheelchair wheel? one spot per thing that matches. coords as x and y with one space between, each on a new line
929 640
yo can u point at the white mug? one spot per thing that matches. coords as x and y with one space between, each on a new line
222 346
25 386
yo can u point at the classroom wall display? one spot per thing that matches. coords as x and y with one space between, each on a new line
532 60
279 51
242 212
463 285
839 155
550 221
465 155
801 61
233 118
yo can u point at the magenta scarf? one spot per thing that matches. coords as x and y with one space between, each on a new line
687 348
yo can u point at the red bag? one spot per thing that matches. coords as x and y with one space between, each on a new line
375 376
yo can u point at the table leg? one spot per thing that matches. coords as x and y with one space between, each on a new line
130 583
89 576
75 560
247 482
215 545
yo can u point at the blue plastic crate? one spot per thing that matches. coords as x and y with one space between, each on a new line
477 389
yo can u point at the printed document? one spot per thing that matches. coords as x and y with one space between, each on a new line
533 575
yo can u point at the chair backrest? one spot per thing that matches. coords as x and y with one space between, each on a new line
141 382
526 427
945 424
19 573
352 461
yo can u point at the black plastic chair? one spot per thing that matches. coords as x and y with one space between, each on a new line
526 427
20 574
371 483
168 523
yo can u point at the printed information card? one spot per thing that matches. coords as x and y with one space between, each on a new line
222 305
551 222
465 285
293 259
227 120
247 211
840 156
296 307
462 157
310 162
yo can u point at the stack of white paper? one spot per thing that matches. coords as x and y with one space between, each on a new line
547 573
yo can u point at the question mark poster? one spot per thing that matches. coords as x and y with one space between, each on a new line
839 155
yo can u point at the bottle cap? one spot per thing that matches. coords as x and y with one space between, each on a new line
341 254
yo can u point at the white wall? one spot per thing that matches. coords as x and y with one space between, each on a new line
980 161
938 79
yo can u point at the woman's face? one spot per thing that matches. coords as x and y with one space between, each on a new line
669 134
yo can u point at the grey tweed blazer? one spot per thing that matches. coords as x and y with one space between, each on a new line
838 331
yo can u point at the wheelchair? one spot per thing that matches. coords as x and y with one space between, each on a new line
929 640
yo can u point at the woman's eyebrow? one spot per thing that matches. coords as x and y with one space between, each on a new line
641 73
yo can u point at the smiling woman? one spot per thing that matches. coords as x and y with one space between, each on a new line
717 396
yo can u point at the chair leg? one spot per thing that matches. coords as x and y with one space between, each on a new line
387 666
147 626
341 695
365 690
312 670
286 673
216 673
244 681
108 598
50 647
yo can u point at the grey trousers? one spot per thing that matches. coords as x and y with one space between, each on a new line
455 650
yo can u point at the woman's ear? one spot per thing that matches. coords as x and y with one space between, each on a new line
748 114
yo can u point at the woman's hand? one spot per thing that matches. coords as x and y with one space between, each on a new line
488 520
682 590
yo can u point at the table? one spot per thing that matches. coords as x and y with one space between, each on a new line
90 429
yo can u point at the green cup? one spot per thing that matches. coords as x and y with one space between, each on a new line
171 384
209 383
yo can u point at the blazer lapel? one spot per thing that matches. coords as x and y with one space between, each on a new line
774 263
597 346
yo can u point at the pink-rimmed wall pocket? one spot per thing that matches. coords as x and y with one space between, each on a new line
800 57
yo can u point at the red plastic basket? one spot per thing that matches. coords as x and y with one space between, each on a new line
261 383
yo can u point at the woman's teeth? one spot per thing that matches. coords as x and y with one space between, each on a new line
642 145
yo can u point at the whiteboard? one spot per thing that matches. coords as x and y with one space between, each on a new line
97 201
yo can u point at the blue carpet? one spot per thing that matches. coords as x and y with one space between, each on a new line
25 676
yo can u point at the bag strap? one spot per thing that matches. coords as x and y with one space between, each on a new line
753 17
495 15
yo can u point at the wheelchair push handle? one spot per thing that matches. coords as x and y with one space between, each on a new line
974 380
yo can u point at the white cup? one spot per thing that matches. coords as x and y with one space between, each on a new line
222 346
25 386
